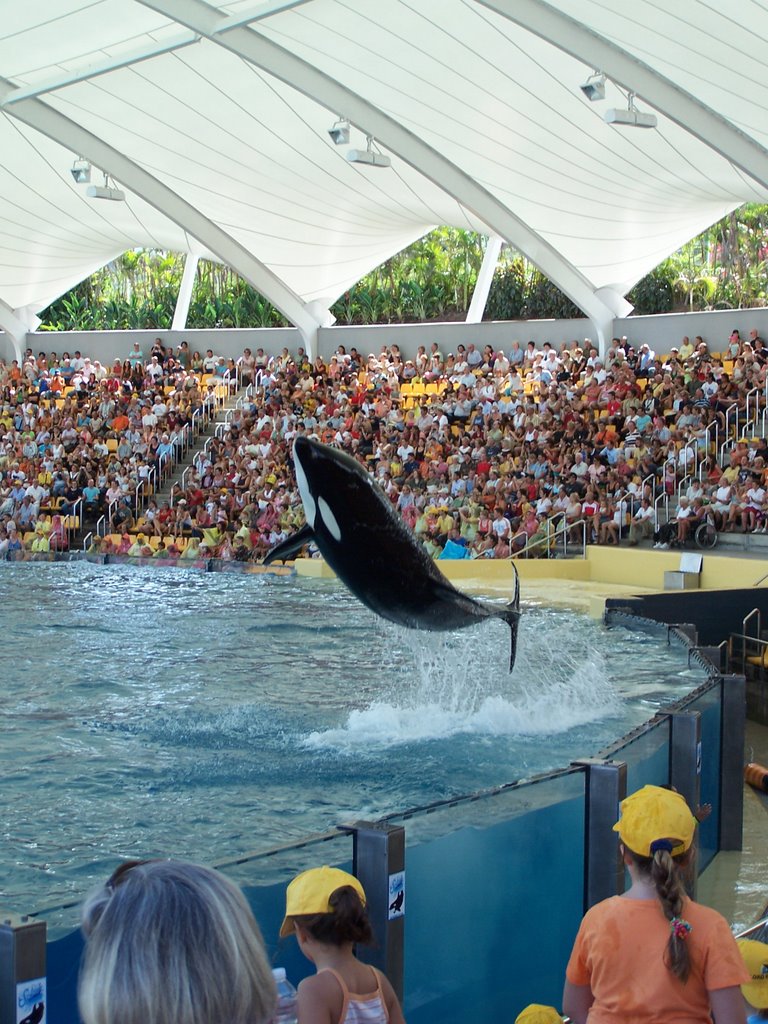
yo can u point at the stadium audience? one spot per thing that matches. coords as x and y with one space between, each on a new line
484 453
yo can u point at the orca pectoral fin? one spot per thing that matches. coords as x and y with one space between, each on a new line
290 546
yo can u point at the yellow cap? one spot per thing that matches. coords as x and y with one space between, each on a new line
653 815
311 891
538 1014
755 957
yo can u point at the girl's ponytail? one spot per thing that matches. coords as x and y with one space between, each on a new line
666 878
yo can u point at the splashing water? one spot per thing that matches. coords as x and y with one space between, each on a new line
549 693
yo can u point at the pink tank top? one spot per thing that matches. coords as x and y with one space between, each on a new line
362 1009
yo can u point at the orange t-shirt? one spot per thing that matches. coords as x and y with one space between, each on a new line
619 952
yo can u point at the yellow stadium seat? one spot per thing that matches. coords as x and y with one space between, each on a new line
759 660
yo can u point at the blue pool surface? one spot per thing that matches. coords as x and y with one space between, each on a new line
151 711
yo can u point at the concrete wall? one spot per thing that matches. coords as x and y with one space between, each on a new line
624 567
496 333
106 346
661 332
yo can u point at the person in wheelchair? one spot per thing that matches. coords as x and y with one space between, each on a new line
695 521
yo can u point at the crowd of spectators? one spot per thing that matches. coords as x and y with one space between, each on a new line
484 453
79 439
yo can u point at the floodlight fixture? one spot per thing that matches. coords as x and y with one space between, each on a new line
339 132
594 87
106 191
81 171
370 156
631 117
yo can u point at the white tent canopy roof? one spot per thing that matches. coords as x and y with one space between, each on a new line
213 118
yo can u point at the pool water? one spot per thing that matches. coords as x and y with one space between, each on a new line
150 711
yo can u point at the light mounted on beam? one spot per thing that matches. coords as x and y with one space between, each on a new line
106 191
370 156
594 87
339 132
631 117
81 171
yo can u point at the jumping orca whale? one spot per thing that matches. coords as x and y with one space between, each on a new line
371 550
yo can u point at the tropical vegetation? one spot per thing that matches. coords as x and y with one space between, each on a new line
433 279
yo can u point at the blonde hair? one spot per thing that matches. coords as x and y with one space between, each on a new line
168 942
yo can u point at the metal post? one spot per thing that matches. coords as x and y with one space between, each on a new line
606 787
22 971
379 863
685 755
732 727
685 771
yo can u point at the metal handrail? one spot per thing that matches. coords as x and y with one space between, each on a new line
756 392
747 643
762 923
745 620
663 497
561 530
732 408
86 539
714 425
101 526
652 478
76 512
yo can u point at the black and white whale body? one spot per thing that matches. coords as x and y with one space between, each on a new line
371 550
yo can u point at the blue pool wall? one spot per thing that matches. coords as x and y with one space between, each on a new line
495 882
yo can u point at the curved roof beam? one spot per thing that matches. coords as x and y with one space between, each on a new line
256 49
581 42
68 133
16 323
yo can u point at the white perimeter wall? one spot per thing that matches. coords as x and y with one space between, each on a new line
661 333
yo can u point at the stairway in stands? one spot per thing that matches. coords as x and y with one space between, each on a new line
174 480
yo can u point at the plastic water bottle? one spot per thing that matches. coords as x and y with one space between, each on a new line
286 999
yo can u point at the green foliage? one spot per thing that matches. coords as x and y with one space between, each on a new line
432 279
654 293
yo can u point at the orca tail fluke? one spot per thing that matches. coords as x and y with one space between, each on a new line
512 618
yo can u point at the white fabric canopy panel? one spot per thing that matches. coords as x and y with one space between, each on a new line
213 118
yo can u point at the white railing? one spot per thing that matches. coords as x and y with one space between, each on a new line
684 481
74 521
110 513
753 399
731 422
712 434
662 499
651 478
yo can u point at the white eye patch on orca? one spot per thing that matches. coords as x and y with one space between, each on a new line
310 509
329 519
